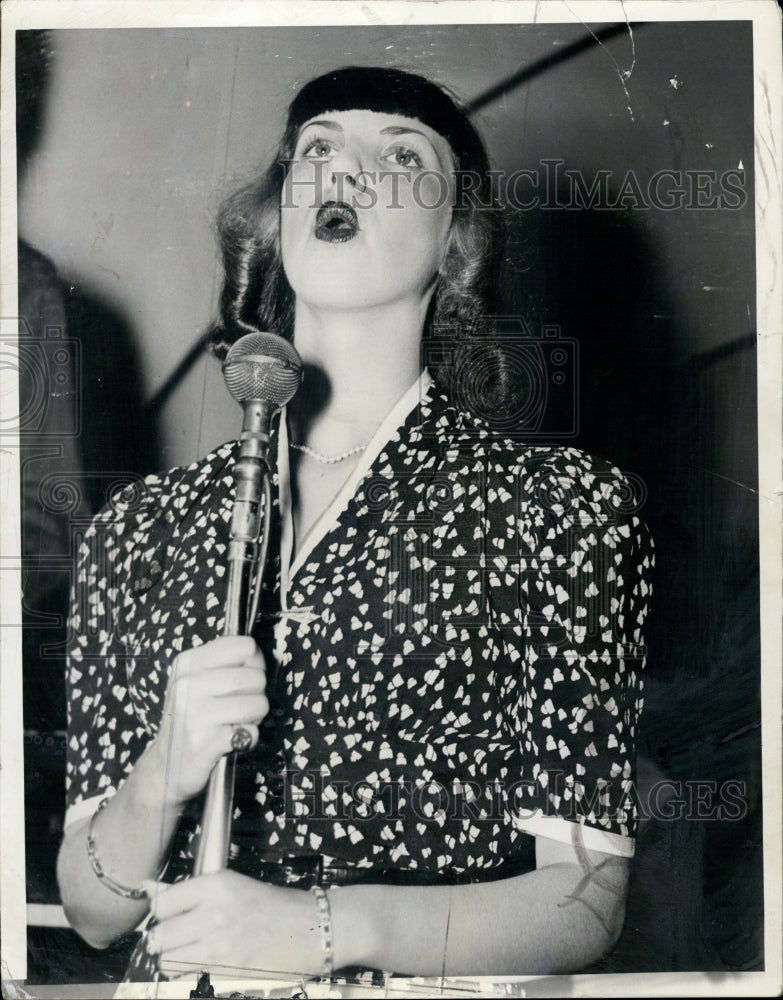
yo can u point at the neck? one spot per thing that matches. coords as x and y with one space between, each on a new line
357 365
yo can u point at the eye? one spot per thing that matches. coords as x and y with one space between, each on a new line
317 149
403 156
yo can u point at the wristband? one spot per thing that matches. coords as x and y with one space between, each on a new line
97 867
325 923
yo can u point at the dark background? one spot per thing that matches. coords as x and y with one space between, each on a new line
128 138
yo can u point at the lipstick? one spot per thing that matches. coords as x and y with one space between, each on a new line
336 222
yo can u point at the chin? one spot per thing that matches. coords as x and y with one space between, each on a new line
342 302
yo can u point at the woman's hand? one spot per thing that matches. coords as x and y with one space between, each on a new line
213 689
231 920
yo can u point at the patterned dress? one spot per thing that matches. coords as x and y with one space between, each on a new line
454 654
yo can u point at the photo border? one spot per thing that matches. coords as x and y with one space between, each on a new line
768 101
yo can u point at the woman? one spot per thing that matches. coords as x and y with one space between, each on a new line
443 682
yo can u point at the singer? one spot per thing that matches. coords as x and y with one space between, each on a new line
442 685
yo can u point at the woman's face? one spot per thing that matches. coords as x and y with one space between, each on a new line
365 210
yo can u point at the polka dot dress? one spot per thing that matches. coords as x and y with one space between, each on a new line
456 657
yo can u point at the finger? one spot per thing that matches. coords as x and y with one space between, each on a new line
233 738
244 680
236 732
227 650
235 710
221 699
178 932
241 682
153 889
170 900
214 741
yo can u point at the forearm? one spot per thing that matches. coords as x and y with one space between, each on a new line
132 834
530 924
212 689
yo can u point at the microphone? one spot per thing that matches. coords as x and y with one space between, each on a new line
263 373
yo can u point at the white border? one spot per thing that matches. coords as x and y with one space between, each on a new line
768 116
254 13
13 937
21 14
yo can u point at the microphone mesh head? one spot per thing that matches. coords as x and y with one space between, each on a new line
263 366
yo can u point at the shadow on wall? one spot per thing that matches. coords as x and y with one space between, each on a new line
65 480
83 430
117 432
644 401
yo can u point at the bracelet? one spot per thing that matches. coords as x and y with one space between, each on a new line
325 919
97 867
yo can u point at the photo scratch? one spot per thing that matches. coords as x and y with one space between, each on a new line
623 75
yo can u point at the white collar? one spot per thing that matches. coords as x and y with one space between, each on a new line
385 433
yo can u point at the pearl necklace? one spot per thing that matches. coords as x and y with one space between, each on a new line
327 459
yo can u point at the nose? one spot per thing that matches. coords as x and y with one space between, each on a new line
346 167
356 180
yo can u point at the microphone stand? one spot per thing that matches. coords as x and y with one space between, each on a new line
247 553
263 373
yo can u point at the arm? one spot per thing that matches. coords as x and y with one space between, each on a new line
132 834
559 918
213 688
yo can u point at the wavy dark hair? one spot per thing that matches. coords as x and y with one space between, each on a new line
256 294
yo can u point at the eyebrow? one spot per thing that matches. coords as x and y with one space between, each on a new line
322 123
403 130
389 130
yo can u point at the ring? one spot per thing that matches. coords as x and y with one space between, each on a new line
240 739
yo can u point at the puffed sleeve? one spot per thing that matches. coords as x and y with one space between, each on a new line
574 640
105 736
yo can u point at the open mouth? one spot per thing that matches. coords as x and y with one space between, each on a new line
336 222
